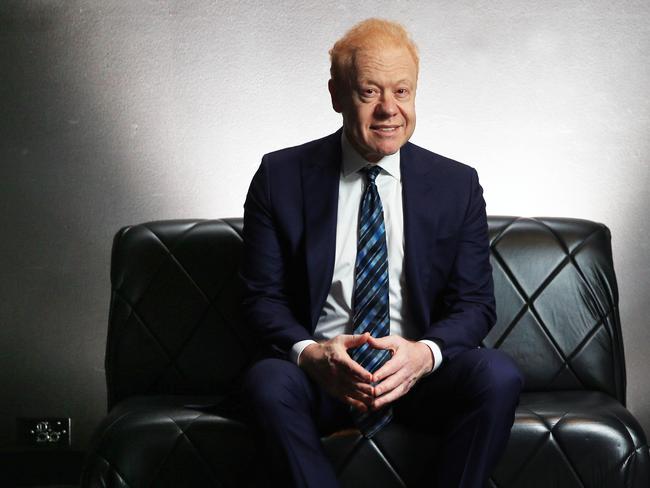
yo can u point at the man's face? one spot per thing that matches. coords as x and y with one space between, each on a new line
378 107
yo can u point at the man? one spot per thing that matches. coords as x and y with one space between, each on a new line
368 282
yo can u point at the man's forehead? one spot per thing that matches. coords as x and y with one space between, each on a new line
391 53
394 59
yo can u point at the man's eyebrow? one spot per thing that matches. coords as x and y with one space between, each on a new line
403 81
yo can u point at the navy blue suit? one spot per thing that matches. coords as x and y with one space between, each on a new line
289 249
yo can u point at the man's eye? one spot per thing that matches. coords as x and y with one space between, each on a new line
402 91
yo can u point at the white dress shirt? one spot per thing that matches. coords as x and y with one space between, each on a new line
336 315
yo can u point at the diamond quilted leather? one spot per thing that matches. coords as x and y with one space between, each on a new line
176 347
174 325
171 441
556 300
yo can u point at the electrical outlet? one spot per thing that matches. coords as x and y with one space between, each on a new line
42 431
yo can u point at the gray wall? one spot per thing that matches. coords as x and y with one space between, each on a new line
118 112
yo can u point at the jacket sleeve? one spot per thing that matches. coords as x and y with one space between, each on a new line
469 310
266 306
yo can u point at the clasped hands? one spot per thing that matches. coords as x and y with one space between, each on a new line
329 364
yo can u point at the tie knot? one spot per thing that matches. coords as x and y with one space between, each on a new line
371 172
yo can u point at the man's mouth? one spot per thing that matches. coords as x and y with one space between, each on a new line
385 128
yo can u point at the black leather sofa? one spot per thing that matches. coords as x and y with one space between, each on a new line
177 348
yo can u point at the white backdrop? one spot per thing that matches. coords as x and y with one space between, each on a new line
163 109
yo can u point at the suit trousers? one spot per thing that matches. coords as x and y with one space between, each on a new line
469 402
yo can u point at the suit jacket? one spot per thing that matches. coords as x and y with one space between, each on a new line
290 239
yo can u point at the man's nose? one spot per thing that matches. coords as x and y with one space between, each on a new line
387 107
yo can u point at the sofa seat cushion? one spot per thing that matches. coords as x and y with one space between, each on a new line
170 441
561 439
574 438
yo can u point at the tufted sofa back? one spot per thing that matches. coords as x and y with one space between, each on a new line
557 303
175 327
174 321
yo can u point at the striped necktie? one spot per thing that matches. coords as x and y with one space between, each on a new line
370 303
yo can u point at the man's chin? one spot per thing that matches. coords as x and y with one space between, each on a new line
378 154
389 150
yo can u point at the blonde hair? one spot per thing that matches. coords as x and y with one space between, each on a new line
368 34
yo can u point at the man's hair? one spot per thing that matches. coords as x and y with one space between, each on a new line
368 34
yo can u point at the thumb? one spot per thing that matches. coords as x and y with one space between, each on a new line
355 340
381 342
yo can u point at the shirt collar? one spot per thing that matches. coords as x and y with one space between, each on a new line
353 161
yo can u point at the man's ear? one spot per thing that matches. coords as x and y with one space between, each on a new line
336 99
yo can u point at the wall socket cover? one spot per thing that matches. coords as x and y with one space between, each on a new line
43 431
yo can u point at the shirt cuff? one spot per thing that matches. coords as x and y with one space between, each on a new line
435 350
297 348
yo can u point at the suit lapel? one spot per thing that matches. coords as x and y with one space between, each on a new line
420 221
320 183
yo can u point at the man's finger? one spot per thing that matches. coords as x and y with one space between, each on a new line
389 368
362 397
350 341
355 369
389 397
362 407
365 388
387 342
389 384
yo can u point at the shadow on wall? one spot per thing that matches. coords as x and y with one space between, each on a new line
62 197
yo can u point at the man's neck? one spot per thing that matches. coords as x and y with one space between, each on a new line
353 161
